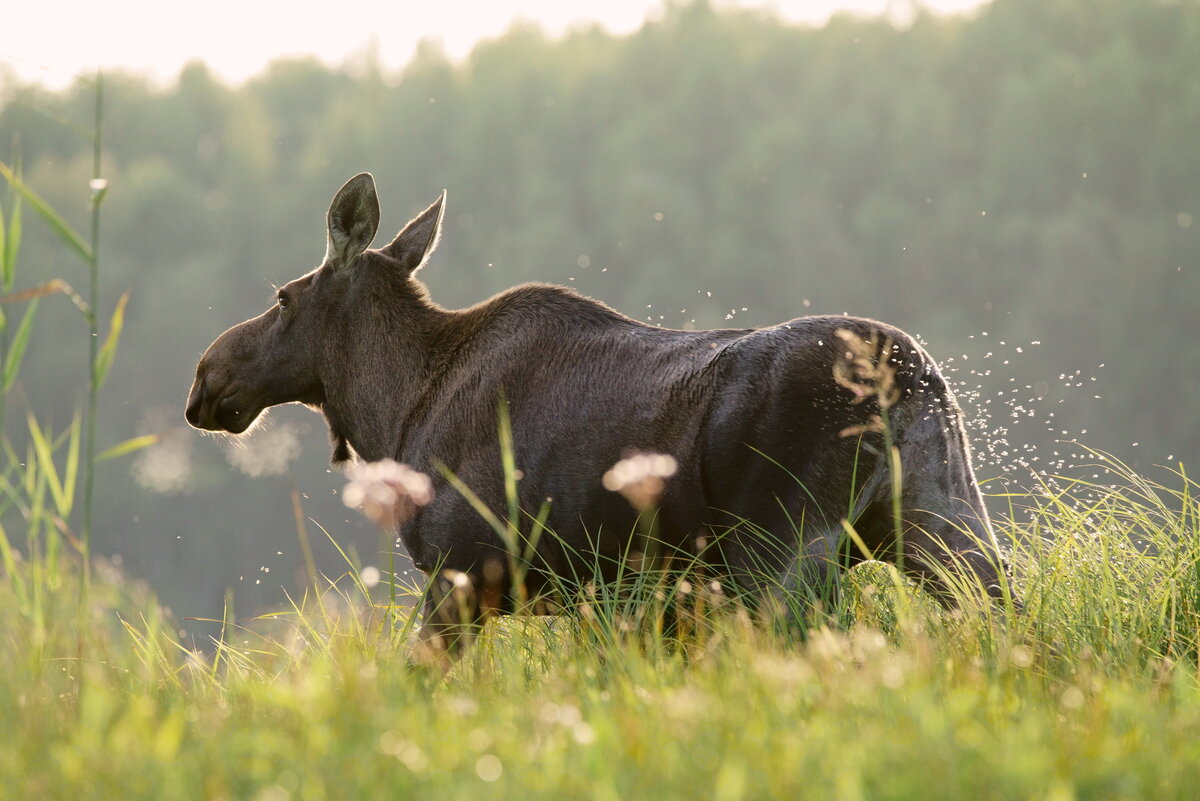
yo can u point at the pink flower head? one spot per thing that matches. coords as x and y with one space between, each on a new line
387 492
641 478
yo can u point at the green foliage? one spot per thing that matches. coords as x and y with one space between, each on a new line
66 234
48 527
129 446
1093 692
39 488
62 489
16 350
108 351
1030 172
10 246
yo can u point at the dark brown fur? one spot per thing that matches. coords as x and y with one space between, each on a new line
753 417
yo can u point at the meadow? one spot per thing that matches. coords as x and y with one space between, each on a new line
1018 187
1090 692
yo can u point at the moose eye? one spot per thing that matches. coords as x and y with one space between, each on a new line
282 300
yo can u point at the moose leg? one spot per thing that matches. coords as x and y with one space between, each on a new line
452 619
815 575
787 582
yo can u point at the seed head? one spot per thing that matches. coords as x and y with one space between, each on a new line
641 478
863 367
387 492
99 187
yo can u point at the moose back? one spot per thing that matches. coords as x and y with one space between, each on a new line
776 432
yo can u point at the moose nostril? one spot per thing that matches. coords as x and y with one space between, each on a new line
195 401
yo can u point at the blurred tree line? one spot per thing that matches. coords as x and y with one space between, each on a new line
1021 188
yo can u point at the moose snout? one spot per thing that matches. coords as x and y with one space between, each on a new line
195 403
219 403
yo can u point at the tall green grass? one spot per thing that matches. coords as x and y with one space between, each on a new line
1090 693
49 472
662 686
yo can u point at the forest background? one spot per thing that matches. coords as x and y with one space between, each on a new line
1020 187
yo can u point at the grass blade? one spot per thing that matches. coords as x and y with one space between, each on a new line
503 531
128 446
60 226
108 351
71 472
16 352
5 270
11 245
47 469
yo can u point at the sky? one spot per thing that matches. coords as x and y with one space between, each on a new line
51 41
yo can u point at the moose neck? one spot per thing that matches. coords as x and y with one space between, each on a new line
381 380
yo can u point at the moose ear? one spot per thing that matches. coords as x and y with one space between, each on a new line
353 220
417 240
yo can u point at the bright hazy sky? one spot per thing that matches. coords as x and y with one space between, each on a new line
51 41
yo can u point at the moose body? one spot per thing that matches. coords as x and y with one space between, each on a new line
773 453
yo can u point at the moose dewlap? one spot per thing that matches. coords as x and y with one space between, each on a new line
776 434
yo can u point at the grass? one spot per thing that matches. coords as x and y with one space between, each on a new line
1091 693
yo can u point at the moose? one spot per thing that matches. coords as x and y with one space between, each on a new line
782 436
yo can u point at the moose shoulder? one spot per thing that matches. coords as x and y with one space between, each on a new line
775 431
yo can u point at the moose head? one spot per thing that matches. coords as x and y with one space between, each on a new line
306 348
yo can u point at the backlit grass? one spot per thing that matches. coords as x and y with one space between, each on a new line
1092 692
